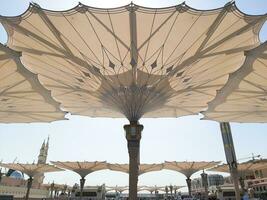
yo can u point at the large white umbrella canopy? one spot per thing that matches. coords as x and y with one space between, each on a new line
188 168
243 98
23 99
243 168
133 61
31 170
83 168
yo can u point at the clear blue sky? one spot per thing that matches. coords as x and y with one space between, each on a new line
84 138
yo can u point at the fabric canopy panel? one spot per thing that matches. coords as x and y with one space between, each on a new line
143 168
31 169
243 168
133 61
189 168
243 98
81 168
23 98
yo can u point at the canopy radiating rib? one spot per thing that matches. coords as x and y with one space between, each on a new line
215 25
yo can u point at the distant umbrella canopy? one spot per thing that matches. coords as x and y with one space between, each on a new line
133 61
82 168
243 98
116 188
23 98
189 168
243 168
143 168
155 188
31 169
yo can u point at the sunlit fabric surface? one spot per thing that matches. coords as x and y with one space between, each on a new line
23 98
133 61
82 168
31 169
189 168
143 168
244 97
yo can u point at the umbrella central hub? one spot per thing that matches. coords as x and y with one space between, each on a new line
133 99
133 132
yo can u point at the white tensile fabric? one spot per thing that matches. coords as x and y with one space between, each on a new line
133 61
189 168
31 169
143 168
23 98
82 168
243 98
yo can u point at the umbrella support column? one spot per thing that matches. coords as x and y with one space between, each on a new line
188 182
29 185
82 182
133 136
204 178
230 155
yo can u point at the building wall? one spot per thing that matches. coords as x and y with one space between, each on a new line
262 173
20 192
213 180
10 181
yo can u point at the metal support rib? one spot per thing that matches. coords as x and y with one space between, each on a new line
133 39
230 155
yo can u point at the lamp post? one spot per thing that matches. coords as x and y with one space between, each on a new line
133 136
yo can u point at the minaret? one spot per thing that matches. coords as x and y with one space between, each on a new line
46 148
42 154
38 179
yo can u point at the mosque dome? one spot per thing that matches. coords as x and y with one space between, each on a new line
16 175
